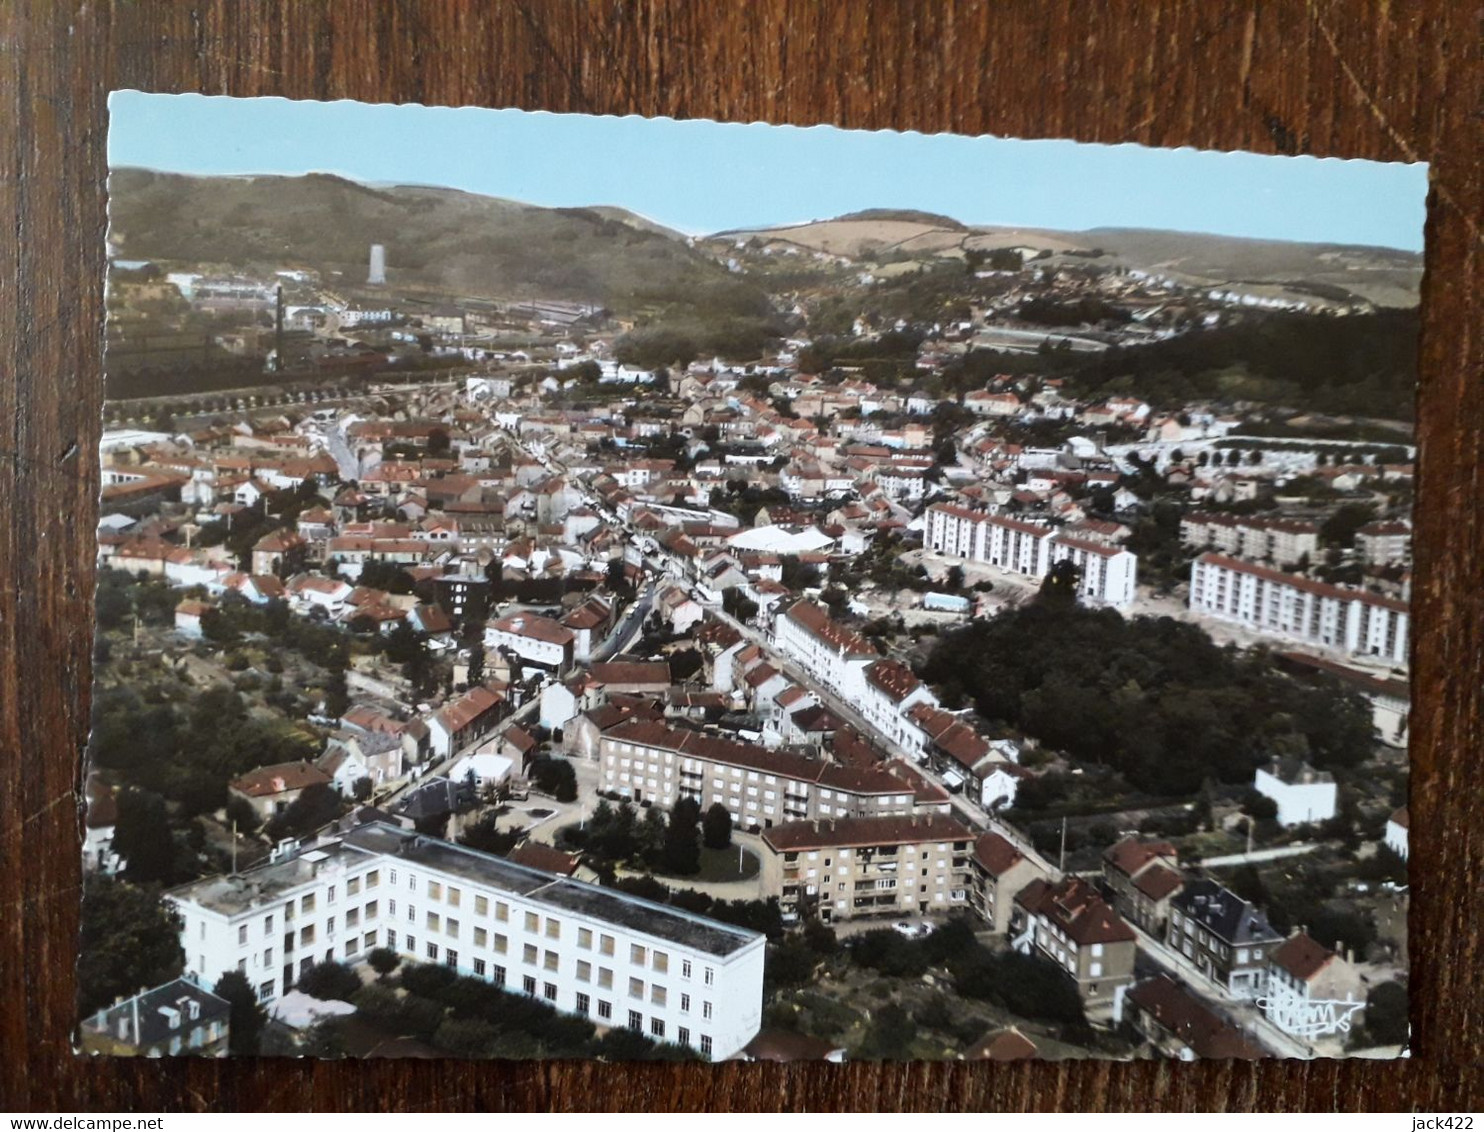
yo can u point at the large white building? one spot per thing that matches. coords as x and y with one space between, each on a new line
1108 574
834 655
1287 605
590 951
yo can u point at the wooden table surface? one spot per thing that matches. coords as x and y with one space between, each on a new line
1390 81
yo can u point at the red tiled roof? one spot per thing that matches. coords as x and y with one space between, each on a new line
819 624
278 778
894 678
862 832
1075 907
1131 855
1301 956
995 854
1001 1045
1201 1029
534 855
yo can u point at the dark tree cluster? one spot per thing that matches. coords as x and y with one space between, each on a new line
1152 698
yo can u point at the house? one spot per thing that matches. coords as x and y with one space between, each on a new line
1227 939
998 873
1142 877
465 720
352 755
1179 1025
1396 832
534 855
1001 1045
536 640
1311 990
279 552
789 1045
1070 925
484 769
188 617
272 789
1302 793
177 1019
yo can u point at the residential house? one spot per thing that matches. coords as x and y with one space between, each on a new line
998 873
465 720
1302 794
272 789
1180 1025
1227 939
1070 925
1142 877
1311 991
177 1019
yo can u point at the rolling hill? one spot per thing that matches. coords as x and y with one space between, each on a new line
439 239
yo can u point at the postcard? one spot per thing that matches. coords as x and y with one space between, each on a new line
616 588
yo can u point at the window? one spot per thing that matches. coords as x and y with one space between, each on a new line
533 922
660 962
529 983
685 1004
605 977
710 976
330 926
636 988
435 890
369 940
657 1027
584 1003
391 940
265 991
373 878
432 922
683 1036
481 937
685 968
241 933
370 911
267 957
528 954
497 975
432 951
549 991
636 955
479 967
706 1044
706 1010
451 957
453 898
584 938
1097 951
657 995
306 935
636 1021
353 918
584 971
549 960
502 911
450 927
267 926
500 944
605 1009
391 907
330 895
481 906
353 886
412 884
393 879
605 944
409 944
411 914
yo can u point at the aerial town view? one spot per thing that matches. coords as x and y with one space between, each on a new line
530 630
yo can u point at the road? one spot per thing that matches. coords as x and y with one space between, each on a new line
628 628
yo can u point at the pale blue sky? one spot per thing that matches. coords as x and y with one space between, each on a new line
702 177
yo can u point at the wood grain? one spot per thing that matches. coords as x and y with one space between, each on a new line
1390 81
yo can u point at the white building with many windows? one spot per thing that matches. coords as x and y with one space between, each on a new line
1288 605
595 952
833 654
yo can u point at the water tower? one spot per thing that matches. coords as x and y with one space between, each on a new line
376 277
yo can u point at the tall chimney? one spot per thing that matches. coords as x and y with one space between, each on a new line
278 330
376 276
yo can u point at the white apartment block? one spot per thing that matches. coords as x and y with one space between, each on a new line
832 654
590 951
859 867
1108 574
1384 544
534 639
645 760
889 691
1286 605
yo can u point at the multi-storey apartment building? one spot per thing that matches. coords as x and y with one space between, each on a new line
833 654
889 692
1284 541
536 640
1227 938
585 950
1384 543
1287 605
649 761
1107 574
848 868
1072 926
998 873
